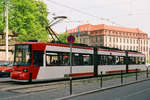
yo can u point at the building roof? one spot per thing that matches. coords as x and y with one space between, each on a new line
89 27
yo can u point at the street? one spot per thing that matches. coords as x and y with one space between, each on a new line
137 91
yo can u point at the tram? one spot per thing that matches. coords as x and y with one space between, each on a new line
35 61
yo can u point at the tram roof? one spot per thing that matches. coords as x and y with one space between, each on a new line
77 45
74 45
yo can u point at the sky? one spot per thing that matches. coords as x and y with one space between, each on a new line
124 13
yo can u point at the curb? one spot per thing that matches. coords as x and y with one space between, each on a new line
101 89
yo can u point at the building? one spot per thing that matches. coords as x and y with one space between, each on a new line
113 36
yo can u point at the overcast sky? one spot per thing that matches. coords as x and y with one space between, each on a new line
126 13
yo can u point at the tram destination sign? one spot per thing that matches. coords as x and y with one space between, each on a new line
70 39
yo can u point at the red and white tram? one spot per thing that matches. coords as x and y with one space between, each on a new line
50 61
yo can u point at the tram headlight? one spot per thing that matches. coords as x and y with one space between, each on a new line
25 70
3 70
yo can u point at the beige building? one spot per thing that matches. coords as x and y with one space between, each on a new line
113 36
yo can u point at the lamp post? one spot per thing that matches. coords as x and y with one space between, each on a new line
6 18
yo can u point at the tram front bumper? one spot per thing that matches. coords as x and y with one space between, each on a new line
19 76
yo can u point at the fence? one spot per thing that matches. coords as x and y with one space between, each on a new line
107 80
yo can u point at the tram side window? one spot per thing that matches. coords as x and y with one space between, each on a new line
132 60
82 59
121 60
63 59
51 59
57 59
87 60
102 59
38 58
110 60
138 60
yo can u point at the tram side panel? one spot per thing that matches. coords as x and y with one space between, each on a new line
110 60
136 60
60 72
115 60
57 62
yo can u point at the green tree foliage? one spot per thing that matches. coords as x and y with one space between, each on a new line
63 37
2 25
27 19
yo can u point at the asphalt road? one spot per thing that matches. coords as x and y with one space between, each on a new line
137 91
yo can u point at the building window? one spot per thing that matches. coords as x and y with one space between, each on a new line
92 39
96 39
83 40
127 47
127 41
101 39
114 39
113 46
131 48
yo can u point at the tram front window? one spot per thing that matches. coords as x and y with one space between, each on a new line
22 55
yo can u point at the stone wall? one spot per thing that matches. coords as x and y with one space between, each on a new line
3 53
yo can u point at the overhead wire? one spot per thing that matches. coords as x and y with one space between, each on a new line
82 12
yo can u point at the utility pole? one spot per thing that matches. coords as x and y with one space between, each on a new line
6 18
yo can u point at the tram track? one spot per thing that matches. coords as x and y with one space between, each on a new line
34 87
26 88
21 87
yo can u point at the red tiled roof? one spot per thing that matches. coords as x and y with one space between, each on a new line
89 27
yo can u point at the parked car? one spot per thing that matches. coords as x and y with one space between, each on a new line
5 68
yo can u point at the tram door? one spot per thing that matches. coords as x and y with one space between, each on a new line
37 63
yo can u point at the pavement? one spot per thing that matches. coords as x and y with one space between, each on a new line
136 91
61 93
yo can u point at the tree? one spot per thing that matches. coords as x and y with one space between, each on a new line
27 19
63 37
